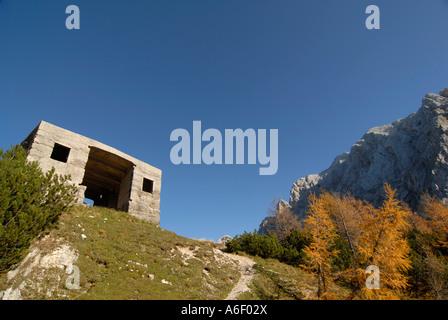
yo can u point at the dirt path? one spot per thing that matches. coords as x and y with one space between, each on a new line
246 267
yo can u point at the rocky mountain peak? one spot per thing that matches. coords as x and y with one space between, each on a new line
411 154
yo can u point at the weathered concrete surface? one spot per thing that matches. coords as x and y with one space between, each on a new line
106 175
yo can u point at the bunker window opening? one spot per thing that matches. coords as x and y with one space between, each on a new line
148 185
60 153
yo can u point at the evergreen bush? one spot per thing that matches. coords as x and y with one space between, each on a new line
30 202
268 246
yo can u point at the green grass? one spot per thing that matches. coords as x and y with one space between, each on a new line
124 258
275 280
119 257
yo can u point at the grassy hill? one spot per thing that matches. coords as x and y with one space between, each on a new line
121 257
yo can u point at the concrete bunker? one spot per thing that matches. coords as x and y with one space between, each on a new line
106 176
60 153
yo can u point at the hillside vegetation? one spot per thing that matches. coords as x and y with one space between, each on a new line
117 256
121 257
52 249
385 252
30 202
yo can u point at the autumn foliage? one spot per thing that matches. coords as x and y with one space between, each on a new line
341 238
409 249
281 220
382 243
320 252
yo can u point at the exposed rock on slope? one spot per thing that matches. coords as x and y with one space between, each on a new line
122 257
411 154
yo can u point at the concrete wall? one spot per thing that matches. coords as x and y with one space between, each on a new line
125 190
131 198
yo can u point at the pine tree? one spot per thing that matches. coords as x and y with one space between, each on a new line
30 202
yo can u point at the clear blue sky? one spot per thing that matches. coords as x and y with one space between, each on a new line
136 70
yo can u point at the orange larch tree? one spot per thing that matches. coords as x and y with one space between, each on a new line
383 245
323 233
437 214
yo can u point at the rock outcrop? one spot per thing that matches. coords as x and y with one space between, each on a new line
224 239
411 154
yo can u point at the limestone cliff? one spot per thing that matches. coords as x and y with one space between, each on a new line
411 154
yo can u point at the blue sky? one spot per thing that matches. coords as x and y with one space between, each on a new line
137 70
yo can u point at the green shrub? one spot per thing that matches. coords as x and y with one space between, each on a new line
429 273
297 239
344 259
30 202
256 245
293 245
292 256
268 246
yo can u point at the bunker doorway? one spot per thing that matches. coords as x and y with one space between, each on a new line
108 179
